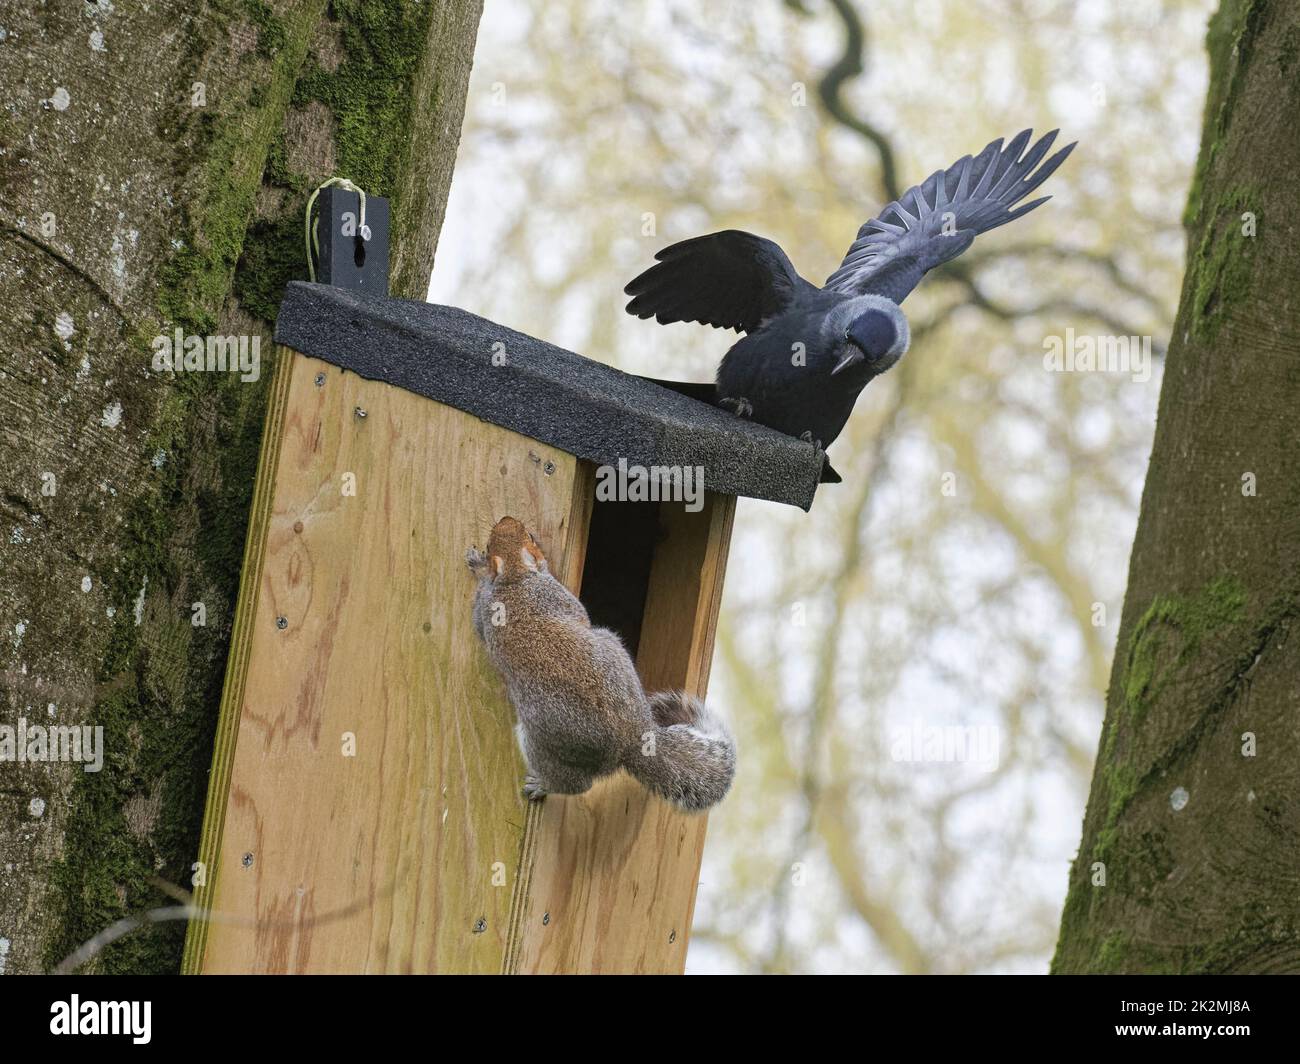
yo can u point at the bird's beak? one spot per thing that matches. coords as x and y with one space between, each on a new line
852 356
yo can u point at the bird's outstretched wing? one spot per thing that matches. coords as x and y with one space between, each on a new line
730 280
938 219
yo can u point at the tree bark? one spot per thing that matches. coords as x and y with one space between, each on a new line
154 161
1190 859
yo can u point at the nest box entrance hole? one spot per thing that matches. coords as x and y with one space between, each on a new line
621 542
652 572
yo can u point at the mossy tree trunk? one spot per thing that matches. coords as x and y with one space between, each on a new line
154 161
1190 859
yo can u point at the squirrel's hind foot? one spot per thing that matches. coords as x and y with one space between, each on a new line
533 789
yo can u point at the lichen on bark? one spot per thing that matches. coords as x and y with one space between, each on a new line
1188 834
172 162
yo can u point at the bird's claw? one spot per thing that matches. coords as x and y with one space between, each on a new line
739 407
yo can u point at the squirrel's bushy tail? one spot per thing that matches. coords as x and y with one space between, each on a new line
690 758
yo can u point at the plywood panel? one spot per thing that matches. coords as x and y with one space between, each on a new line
354 620
611 875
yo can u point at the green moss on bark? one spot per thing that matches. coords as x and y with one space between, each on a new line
272 34
369 93
1221 269
182 538
1164 643
221 203
1137 851
1168 635
1196 890
182 534
273 252
1229 43
369 96
160 678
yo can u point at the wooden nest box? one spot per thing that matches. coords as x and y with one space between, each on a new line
364 809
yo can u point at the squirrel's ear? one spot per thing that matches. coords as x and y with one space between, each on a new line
498 564
529 560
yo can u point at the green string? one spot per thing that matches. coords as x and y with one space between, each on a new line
310 235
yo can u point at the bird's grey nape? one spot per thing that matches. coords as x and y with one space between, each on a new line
838 319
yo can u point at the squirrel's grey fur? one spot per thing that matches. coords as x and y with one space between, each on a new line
582 712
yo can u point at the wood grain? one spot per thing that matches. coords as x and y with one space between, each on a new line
611 887
241 643
404 857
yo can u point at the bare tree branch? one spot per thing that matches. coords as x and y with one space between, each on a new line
851 64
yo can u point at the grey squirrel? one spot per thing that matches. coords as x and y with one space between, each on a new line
582 712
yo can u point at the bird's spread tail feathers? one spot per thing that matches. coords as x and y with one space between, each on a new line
690 757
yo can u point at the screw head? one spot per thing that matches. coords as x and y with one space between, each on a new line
548 468
248 860
360 413
480 925
282 623
546 919
320 380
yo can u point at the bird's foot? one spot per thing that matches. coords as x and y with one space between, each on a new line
533 789
739 407
807 437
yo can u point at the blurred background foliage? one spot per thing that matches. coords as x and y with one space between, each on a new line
600 131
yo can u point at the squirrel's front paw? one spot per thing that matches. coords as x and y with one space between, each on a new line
533 789
475 559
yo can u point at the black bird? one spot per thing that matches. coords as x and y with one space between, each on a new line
810 351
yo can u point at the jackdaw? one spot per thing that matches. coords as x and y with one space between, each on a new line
810 351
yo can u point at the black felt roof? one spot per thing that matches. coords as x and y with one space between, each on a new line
552 395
